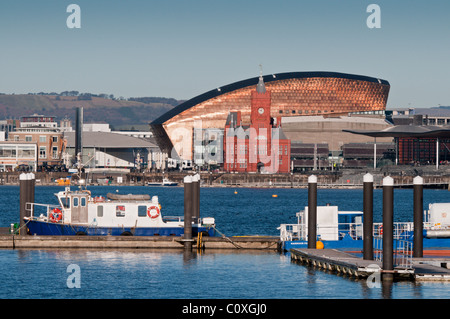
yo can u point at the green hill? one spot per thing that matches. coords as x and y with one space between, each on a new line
134 112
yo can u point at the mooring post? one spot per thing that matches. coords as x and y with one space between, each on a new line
31 188
418 217
188 205
312 211
196 197
79 134
23 198
388 227
368 217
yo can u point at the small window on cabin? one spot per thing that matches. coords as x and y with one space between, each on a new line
120 211
142 211
75 202
65 201
83 201
100 211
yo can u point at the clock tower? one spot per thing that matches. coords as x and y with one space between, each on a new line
260 106
260 146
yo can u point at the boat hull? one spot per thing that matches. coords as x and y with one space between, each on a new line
43 228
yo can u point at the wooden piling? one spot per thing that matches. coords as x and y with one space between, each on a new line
418 217
368 217
196 197
388 227
23 198
188 205
312 211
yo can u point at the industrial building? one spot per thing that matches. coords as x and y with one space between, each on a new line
111 150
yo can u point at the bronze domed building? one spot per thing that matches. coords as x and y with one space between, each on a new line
294 94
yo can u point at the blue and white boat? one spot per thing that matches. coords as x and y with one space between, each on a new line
79 213
165 182
344 230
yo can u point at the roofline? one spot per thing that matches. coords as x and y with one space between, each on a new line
430 132
254 81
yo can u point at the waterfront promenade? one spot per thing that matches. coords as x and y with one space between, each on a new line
346 178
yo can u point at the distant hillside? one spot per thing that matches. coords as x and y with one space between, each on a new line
137 112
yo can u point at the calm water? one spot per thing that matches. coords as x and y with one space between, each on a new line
158 274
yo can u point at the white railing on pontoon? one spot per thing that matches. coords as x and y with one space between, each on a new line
289 232
402 250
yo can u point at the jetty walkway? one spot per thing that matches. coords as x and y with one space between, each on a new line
339 262
8 241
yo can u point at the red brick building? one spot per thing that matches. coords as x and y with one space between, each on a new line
259 145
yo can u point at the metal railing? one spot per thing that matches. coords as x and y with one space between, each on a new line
41 211
402 252
288 232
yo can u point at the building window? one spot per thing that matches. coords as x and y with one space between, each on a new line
42 139
28 138
55 152
42 152
54 139
16 138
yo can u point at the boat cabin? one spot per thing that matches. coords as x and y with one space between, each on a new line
79 207
333 224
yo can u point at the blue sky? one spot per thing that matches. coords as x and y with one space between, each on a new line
181 49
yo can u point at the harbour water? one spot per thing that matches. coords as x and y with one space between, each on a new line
213 274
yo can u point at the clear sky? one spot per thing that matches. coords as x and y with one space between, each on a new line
181 49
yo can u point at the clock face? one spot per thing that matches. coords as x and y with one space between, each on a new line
260 110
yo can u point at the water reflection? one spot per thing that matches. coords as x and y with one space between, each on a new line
169 274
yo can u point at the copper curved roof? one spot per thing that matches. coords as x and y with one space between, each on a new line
254 81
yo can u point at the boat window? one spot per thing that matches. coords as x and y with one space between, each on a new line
142 211
120 211
83 201
65 202
99 211
75 202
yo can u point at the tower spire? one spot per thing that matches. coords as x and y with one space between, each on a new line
260 87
